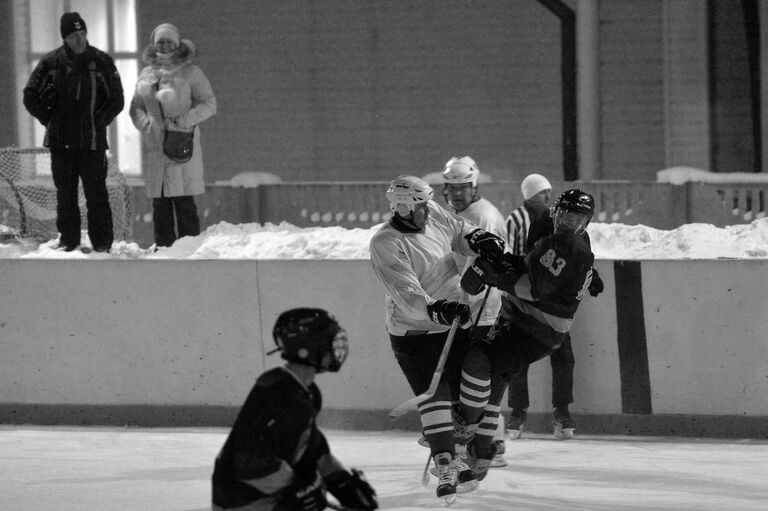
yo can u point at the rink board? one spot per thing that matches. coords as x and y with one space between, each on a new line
187 334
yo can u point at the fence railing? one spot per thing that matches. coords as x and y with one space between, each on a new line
663 206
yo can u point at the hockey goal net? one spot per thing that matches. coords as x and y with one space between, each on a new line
28 196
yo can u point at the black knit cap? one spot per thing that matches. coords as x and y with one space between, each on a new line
71 22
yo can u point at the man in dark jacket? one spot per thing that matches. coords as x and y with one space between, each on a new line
75 92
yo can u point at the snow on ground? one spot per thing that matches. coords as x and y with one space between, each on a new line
286 241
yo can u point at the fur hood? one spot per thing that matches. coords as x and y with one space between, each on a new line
181 55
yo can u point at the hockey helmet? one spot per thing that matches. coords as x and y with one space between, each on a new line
405 192
460 170
573 201
311 337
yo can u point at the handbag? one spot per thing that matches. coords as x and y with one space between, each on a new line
177 145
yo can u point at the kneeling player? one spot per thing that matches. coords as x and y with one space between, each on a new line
276 458
540 297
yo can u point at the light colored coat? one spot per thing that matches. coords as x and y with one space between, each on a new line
187 100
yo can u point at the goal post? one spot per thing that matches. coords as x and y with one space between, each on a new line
28 195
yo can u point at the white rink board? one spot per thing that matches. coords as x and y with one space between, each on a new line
186 332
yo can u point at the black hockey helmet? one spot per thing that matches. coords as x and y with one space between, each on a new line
312 337
573 201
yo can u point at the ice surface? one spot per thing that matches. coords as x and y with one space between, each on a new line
111 469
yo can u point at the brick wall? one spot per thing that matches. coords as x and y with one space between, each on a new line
364 90
631 81
350 90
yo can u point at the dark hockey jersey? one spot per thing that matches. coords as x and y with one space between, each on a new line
273 441
544 300
560 269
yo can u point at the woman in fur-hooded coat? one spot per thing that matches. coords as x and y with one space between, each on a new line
173 94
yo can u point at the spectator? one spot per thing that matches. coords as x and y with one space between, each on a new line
75 92
172 95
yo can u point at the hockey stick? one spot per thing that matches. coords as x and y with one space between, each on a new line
425 474
403 407
479 313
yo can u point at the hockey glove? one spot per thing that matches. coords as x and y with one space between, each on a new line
352 490
596 286
304 495
479 273
512 262
503 275
472 279
487 245
442 311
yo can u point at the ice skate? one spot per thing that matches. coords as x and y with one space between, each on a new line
498 445
465 479
478 464
516 424
467 482
498 458
563 425
447 477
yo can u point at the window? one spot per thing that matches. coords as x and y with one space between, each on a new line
111 28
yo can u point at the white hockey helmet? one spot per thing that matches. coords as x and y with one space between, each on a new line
460 170
406 191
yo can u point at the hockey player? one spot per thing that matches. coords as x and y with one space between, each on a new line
276 458
412 256
561 359
461 192
541 295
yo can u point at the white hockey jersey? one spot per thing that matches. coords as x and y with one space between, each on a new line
417 268
487 217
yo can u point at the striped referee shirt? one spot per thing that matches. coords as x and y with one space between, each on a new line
519 223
